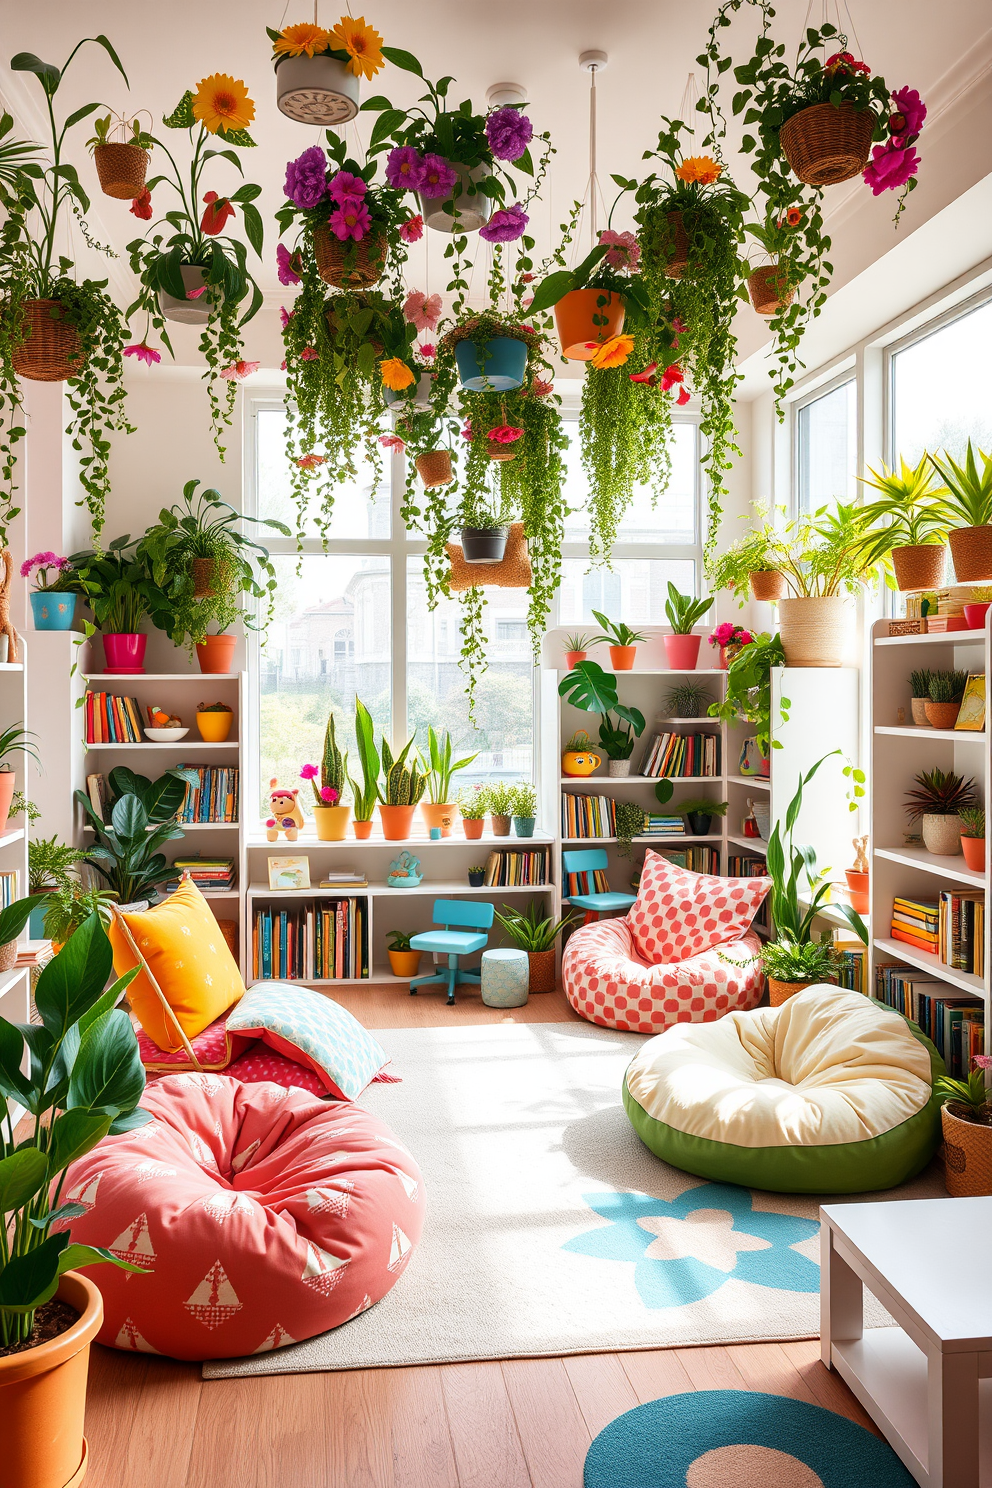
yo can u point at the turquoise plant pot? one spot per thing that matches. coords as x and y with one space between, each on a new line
524 825
52 610
503 368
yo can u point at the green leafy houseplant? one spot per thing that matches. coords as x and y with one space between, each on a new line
615 632
51 320
971 1099
440 767
403 785
118 586
71 906
939 793
794 874
15 739
531 929
972 821
967 498
49 864
524 801
755 552
500 798
702 807
594 691
474 804
366 796
630 823
398 940
683 611
687 700
806 961
127 852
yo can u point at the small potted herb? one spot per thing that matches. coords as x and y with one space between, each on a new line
700 813
966 1119
944 703
53 599
485 529
576 649
524 809
534 932
973 837
404 961
936 803
476 877
500 799
791 966
682 647
748 567
473 805
919 682
69 907
621 640
49 865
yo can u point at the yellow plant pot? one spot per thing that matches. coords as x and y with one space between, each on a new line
214 727
332 822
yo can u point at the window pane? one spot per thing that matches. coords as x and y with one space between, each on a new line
942 389
671 520
635 590
828 448
330 640
359 509
504 740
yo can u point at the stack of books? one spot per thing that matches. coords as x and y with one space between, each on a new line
656 825
955 1023
311 942
676 755
587 816
511 869
961 930
853 969
344 878
216 798
217 874
916 923
696 859
111 719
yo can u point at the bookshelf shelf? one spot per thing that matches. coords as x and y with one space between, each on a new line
955 736
10 979
310 844
752 844
918 857
947 638
923 961
140 678
381 890
612 780
757 782
183 746
7 839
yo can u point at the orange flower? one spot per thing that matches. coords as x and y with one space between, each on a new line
613 353
702 169
363 45
298 41
222 103
396 375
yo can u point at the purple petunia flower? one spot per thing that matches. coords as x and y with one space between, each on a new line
505 225
404 168
438 178
890 167
306 178
286 265
509 132
912 108
345 185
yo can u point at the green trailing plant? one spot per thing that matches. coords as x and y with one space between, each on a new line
919 683
799 888
683 610
84 1082
403 785
972 1097
532 929
127 853
20 803
687 700
947 687
806 961
398 940
615 632
755 552
749 689
702 807
828 552
629 824
71 906
939 793
474 804
49 864
524 801
440 767
366 796
972 821
500 798
35 198
967 500
594 691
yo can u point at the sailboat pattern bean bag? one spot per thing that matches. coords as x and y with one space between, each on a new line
263 1216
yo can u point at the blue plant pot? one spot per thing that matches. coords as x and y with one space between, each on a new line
53 611
524 825
504 368
36 922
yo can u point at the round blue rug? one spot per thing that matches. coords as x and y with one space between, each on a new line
739 1439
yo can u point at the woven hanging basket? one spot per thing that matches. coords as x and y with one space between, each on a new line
50 350
434 469
967 1156
122 170
769 290
767 584
542 971
205 577
502 454
814 632
679 261
971 552
920 566
780 992
349 265
825 145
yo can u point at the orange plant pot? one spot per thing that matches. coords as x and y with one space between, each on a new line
974 853
216 653
780 992
473 827
439 815
622 658
363 830
572 658
404 963
43 1398
397 822
214 727
541 966
7 778
575 318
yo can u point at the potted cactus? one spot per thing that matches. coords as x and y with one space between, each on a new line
973 837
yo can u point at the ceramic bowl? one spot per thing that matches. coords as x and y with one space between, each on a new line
166 735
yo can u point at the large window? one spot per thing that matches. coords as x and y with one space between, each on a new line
941 388
827 448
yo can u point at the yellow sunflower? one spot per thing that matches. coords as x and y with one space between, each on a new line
363 45
613 353
298 41
702 169
222 103
396 375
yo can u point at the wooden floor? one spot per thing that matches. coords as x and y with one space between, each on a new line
524 1423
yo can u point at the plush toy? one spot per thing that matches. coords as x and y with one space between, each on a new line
287 815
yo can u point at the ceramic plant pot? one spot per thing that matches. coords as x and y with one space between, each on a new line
214 728
477 878
918 707
121 169
682 652
967 1156
331 822
405 964
767 584
542 970
124 653
622 658
779 992
974 614
397 822
417 397
618 769
473 827
484 544
941 715
524 826
815 632
825 144
194 312
362 830
572 658
50 350
474 210
215 653
500 369
857 890
439 815
501 825
316 90
942 835
971 553
919 566
699 823
577 763
585 318
973 849
52 610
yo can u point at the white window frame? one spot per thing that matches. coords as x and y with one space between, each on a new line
847 373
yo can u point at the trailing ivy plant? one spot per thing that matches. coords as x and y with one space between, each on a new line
749 689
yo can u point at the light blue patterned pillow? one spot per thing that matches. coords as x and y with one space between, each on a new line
312 1030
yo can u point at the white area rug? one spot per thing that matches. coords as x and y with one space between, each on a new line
551 1229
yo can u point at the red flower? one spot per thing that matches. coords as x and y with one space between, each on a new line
505 434
648 375
683 396
142 206
671 376
794 216
845 62
219 209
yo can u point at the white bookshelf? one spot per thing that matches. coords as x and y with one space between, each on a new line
15 985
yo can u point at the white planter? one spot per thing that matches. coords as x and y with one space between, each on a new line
942 835
473 211
619 769
186 312
316 90
815 632
417 396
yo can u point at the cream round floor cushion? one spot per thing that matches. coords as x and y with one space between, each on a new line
830 1093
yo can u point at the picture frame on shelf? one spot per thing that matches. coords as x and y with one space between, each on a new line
289 873
971 717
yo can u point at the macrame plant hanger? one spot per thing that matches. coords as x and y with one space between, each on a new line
592 63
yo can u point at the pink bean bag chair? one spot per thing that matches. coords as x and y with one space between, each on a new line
683 954
264 1216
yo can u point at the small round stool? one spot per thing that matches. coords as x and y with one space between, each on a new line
505 978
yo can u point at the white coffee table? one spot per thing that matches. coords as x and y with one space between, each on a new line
925 1383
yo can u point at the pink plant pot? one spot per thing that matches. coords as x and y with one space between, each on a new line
974 614
682 652
125 653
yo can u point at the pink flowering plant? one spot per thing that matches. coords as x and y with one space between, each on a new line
729 634
323 795
52 574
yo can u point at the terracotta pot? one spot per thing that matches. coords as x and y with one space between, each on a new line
974 614
397 822
216 654
622 658
779 992
7 778
679 251
918 707
919 566
769 289
942 835
124 652
682 652
585 318
973 849
349 265
50 350
434 469
214 727
473 827
572 658
971 554
43 1398
941 715
542 970
363 830
331 822
501 825
405 964
857 890
439 815
814 632
825 145
122 169
767 584
967 1156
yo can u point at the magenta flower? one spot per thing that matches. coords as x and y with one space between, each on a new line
309 354
146 354
309 772
505 225
467 431
194 294
238 371
505 434
351 220
328 795
624 251
412 230
890 166
421 310
306 179
912 110
404 168
43 561
509 132
982 1061
287 265
426 351
438 177
345 187
392 442
285 316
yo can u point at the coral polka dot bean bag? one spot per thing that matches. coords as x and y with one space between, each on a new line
264 1215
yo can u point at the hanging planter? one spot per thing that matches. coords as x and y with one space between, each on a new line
585 319
417 397
827 144
349 265
50 350
195 312
499 365
316 90
434 469
512 571
769 291
121 170
473 209
484 544
678 247
767 585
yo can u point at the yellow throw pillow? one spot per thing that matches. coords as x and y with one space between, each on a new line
188 956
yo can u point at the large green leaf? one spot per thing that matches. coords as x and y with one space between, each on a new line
74 979
129 818
16 915
30 1279
73 1134
108 1071
588 687
21 1176
182 116
12 1083
75 1256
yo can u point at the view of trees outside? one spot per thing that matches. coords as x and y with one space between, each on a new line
827 434
634 589
942 389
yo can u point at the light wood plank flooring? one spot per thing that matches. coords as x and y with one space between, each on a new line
522 1423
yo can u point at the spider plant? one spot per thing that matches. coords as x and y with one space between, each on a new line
908 514
532 930
687 700
939 793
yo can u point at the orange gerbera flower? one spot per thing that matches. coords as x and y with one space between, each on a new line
363 45
396 375
614 352
222 103
298 41
702 169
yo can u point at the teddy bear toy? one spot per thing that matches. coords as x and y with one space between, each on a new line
287 816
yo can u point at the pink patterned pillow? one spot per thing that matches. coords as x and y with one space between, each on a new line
679 914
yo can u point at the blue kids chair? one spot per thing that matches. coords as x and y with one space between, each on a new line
471 914
594 902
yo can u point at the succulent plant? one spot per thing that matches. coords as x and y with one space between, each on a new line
939 793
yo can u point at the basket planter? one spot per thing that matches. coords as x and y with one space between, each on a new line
331 822
919 566
779 992
941 715
363 830
484 544
501 825
942 835
349 265
815 632
575 319
769 289
52 609
316 90
524 826
214 726
767 584
500 370
682 652
215 653
187 312
918 707
622 658
618 769
502 452
434 469
404 963
967 1156
825 144
971 554
473 827
542 970
416 398
439 815
124 653
679 260
122 170
473 211
49 350
208 576
397 822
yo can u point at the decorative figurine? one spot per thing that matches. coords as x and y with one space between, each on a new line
860 845
287 814
404 873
